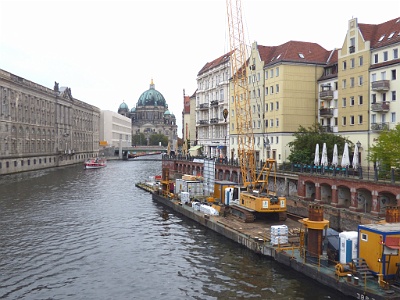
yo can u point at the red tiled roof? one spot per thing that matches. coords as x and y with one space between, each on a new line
374 33
294 51
215 63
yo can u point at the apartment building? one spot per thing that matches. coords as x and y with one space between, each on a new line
211 101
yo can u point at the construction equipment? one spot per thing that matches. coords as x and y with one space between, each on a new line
257 198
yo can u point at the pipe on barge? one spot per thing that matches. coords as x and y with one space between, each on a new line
285 256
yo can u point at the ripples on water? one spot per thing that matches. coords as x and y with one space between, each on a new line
91 234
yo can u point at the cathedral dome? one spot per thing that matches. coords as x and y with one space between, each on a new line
123 106
151 97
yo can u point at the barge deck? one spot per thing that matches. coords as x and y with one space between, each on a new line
256 236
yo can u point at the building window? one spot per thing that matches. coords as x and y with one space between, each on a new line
277 105
271 123
393 117
376 58
266 74
277 88
343 102
360 80
266 91
393 95
266 123
277 122
266 107
385 56
360 119
336 121
360 100
272 73
360 61
344 65
352 82
258 93
344 121
351 120
373 77
343 83
258 76
352 101
352 63
277 139
394 74
373 98
395 53
272 89
272 106
277 72
383 75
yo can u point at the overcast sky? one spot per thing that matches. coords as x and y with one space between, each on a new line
107 52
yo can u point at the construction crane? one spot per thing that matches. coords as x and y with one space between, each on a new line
256 198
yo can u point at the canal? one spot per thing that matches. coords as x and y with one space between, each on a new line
71 233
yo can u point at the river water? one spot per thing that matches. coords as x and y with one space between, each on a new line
71 233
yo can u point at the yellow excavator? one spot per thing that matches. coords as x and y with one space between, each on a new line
255 199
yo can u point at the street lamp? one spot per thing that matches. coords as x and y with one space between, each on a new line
358 145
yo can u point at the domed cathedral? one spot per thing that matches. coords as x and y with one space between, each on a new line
151 115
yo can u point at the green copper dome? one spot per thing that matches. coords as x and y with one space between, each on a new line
151 97
123 106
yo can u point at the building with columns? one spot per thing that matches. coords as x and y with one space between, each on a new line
151 115
42 127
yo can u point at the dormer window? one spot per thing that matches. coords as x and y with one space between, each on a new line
381 38
391 35
301 55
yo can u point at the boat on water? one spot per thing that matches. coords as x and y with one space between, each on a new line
95 163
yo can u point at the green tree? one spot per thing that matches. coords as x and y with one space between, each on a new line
139 139
302 148
156 138
386 151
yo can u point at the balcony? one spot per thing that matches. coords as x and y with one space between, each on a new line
326 95
327 128
204 106
214 103
203 122
380 107
381 86
326 112
379 126
214 120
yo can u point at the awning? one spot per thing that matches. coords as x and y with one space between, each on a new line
194 148
392 242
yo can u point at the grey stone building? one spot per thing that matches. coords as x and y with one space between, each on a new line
42 127
151 115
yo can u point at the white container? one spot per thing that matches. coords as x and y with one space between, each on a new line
348 244
275 240
279 230
185 197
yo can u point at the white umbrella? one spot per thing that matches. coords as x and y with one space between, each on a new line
355 157
345 157
335 159
316 158
324 158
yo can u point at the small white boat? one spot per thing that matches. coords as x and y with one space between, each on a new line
95 163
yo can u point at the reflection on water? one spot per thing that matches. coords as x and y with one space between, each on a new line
71 233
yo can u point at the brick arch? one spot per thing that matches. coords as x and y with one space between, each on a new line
385 199
343 196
